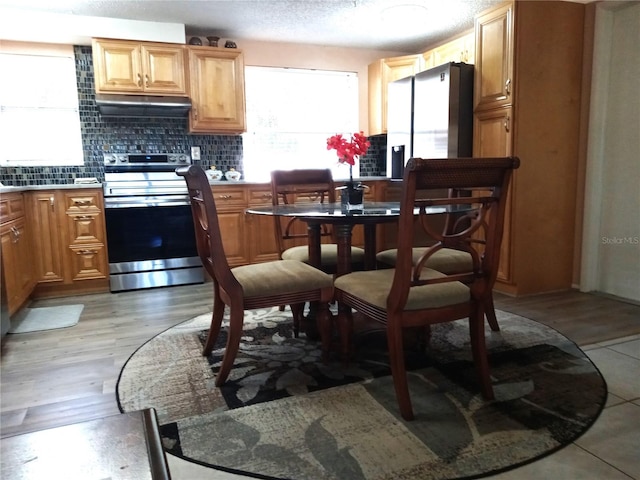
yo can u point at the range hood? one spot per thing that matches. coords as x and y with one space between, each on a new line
142 106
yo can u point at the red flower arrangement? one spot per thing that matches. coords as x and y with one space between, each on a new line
348 151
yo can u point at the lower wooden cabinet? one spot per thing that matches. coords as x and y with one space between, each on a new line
70 241
231 202
262 244
17 251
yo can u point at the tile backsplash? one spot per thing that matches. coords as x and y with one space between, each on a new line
102 135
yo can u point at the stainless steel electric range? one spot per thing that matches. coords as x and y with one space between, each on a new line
150 234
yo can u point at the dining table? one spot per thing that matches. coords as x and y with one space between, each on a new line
343 218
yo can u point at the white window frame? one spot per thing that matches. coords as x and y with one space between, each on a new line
39 109
288 127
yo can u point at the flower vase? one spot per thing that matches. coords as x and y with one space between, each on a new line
352 195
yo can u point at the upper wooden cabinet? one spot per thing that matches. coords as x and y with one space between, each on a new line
139 67
381 73
216 79
494 58
460 49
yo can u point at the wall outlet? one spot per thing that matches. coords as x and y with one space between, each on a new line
195 153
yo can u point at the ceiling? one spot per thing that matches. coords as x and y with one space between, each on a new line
397 25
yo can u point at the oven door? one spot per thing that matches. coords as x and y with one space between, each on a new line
151 245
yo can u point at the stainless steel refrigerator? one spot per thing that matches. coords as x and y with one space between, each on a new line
430 115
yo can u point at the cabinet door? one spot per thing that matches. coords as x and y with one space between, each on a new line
164 69
380 74
231 203
17 255
494 58
453 51
492 138
48 235
117 67
263 246
217 90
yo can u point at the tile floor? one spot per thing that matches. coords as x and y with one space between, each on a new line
609 450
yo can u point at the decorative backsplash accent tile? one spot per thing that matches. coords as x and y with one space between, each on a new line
157 135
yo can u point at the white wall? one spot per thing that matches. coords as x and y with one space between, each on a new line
611 241
31 26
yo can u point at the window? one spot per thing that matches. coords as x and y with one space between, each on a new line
39 120
290 115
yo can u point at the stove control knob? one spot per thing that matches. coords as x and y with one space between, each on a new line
183 158
110 158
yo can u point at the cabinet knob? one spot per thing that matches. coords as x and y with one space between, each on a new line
507 87
52 202
146 81
82 203
225 197
507 124
139 80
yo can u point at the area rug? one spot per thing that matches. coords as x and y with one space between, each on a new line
283 414
45 318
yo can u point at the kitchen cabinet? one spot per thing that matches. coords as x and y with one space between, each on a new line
527 103
261 239
70 241
231 202
128 67
17 251
494 58
460 49
216 80
381 73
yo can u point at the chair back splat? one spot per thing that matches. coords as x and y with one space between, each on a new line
307 186
412 294
247 287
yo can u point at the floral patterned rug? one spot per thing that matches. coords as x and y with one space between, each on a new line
284 414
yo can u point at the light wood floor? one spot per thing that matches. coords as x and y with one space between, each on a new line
58 377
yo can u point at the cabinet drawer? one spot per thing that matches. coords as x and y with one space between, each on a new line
260 196
81 202
85 228
229 196
88 262
11 207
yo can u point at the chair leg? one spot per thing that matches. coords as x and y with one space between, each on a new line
490 312
345 327
233 344
216 322
324 321
298 311
398 370
479 351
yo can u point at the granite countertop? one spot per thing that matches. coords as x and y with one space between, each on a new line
57 186
73 186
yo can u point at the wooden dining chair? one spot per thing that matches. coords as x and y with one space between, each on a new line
247 287
308 186
446 260
413 295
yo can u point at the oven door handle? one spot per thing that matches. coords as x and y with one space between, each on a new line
143 202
